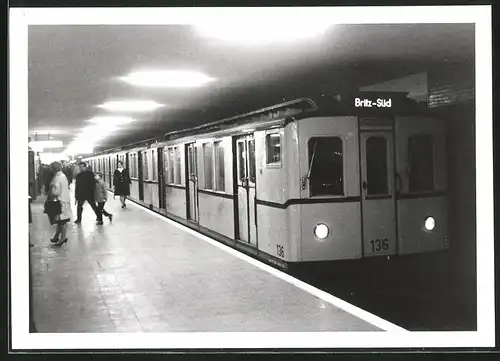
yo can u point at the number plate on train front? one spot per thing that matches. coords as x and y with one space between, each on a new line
379 245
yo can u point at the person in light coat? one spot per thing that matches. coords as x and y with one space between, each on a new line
59 191
101 196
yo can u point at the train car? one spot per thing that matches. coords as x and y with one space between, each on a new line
342 177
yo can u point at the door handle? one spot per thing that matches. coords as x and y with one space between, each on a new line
365 185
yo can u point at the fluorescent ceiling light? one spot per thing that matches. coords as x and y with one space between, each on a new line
131 105
111 121
168 79
42 144
247 33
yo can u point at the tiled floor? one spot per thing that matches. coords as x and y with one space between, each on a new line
142 274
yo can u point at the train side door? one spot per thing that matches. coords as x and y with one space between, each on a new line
245 159
378 193
192 182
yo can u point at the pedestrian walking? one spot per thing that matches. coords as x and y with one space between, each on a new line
84 191
58 204
121 180
101 196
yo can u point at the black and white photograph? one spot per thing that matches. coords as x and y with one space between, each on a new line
251 178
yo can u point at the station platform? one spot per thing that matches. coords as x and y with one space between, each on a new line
146 273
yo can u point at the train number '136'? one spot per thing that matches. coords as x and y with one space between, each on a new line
379 244
280 251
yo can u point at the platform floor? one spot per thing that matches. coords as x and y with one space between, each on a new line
145 274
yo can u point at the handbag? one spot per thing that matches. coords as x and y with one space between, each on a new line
52 207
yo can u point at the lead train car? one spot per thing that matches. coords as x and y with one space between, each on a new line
341 178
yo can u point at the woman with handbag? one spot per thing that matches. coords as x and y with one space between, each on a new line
58 205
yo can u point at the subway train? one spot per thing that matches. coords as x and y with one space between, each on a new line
334 178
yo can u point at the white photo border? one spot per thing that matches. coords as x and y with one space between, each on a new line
21 339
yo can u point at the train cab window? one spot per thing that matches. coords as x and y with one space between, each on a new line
273 149
208 165
145 174
420 164
376 166
219 166
326 166
177 165
251 160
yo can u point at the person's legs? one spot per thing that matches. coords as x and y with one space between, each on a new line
55 239
63 231
96 209
79 210
103 211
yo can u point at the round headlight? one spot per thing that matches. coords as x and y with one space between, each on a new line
430 223
321 231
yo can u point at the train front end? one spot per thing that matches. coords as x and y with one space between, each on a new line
373 181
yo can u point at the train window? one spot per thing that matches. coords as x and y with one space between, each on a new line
376 166
208 165
326 166
171 160
155 165
145 174
241 160
219 166
133 166
273 148
177 165
420 165
251 160
190 160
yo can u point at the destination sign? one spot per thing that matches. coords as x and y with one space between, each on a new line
364 102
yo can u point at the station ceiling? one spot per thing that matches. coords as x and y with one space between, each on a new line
73 69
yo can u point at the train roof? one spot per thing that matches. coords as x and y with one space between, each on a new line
345 104
366 103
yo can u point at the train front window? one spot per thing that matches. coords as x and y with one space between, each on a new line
420 166
326 166
376 166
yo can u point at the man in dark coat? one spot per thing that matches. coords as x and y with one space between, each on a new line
84 191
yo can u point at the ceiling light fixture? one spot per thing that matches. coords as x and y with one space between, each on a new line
43 144
110 121
131 105
168 79
247 33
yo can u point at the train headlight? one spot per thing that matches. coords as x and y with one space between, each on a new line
430 223
321 231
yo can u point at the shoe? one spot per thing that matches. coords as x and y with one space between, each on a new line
78 221
99 223
60 243
110 218
54 240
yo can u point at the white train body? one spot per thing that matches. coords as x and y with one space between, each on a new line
308 187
